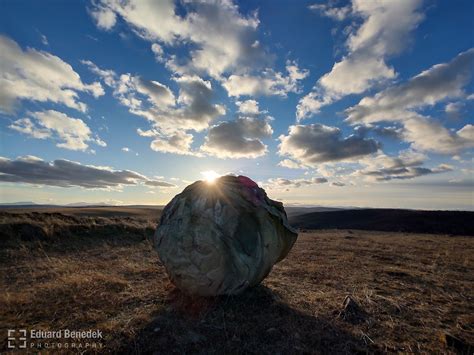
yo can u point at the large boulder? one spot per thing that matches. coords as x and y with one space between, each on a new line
222 237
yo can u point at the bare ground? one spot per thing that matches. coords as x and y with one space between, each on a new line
409 292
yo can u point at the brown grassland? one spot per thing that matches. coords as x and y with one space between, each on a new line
83 269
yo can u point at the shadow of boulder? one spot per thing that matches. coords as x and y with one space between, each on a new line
253 322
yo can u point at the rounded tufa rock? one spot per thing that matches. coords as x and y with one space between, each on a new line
222 237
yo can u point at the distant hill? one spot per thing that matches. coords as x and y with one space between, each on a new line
21 203
86 204
292 211
145 212
32 205
390 220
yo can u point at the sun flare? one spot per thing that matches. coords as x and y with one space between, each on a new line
210 176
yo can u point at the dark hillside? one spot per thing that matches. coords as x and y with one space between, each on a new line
389 220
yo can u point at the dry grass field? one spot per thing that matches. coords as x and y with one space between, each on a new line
83 270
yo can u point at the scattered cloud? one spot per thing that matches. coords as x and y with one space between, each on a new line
171 117
392 132
26 126
158 52
176 143
223 43
158 183
223 39
407 165
389 132
453 108
313 144
291 164
66 173
44 39
384 32
191 110
399 103
39 76
269 83
282 183
427 134
240 138
125 149
339 170
333 12
158 95
108 76
440 82
104 18
248 107
72 133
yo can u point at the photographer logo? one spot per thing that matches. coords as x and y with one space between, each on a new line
54 339
16 338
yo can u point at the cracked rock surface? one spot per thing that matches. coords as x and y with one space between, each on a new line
222 237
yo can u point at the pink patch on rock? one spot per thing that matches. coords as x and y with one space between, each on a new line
247 182
251 190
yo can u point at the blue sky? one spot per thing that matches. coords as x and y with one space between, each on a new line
339 103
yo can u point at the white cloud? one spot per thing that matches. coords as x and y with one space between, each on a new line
427 134
72 133
104 18
399 103
191 110
313 144
125 149
269 83
240 138
176 143
100 142
354 75
282 183
171 117
249 107
339 169
311 103
26 126
384 32
335 13
39 76
291 164
453 108
108 76
194 109
158 94
223 38
158 52
440 82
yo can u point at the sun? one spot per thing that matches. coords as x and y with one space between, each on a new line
210 176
